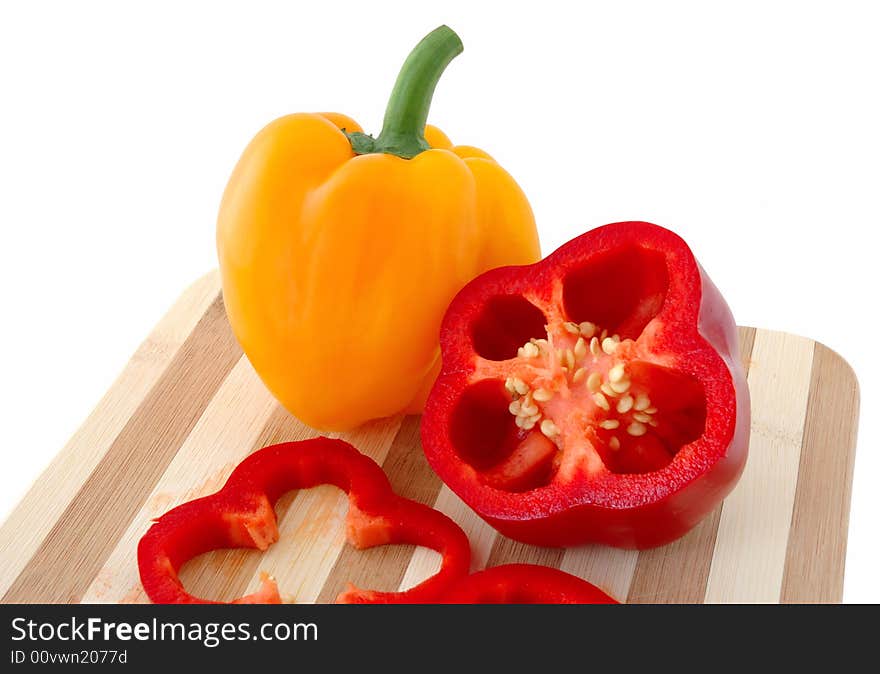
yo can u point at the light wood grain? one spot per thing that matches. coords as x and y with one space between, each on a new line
757 515
189 407
508 551
816 550
608 568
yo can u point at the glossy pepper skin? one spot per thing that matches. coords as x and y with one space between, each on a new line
525 584
339 253
241 514
596 396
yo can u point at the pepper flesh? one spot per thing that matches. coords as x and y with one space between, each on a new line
339 253
241 514
596 396
525 584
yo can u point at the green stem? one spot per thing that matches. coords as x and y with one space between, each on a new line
403 130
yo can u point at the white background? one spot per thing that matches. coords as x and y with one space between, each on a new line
751 128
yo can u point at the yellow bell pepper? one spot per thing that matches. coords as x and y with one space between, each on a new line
340 252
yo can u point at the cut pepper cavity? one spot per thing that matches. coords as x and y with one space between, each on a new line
594 396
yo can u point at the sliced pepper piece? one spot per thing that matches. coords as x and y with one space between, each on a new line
525 584
596 396
241 514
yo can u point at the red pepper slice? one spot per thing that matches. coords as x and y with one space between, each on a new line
596 396
525 584
241 514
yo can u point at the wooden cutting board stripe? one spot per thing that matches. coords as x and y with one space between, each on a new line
757 515
199 409
814 562
508 551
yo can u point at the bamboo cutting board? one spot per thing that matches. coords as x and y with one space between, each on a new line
188 407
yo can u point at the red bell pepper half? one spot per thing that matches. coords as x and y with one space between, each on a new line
525 584
241 514
596 396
